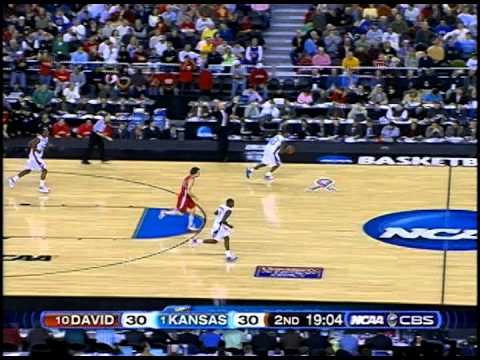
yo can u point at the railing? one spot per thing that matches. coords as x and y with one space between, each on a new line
274 70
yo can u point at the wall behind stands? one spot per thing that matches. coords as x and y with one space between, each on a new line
306 152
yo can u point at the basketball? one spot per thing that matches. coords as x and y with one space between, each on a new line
290 150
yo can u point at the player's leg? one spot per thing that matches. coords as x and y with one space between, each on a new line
88 152
14 179
249 171
276 164
229 256
191 219
43 187
174 212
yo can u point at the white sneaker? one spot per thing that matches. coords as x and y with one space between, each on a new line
195 242
161 215
268 177
231 259
11 182
43 189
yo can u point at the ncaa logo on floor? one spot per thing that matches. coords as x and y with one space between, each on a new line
426 229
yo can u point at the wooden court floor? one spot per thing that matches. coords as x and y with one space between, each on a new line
87 221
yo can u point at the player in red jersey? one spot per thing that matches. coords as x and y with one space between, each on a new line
185 199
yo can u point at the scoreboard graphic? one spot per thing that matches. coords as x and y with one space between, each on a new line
184 317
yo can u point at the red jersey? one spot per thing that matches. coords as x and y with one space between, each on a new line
184 200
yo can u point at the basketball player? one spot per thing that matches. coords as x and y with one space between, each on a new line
271 155
221 229
35 161
185 200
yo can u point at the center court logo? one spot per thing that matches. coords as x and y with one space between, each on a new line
426 229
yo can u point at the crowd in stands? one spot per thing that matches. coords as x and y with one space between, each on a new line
388 35
38 341
215 52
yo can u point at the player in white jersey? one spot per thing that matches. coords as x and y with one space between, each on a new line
271 155
221 229
35 161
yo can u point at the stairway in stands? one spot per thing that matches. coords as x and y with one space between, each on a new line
286 20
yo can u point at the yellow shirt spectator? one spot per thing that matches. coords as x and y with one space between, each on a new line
372 12
350 62
208 33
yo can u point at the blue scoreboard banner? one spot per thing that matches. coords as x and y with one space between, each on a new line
178 317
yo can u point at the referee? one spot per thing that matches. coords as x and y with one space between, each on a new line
96 139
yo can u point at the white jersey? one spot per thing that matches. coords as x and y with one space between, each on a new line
219 230
35 156
271 153
41 146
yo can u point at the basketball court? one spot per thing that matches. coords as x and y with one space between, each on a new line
89 225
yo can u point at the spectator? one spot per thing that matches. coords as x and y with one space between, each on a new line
332 42
349 343
42 97
262 343
45 70
389 133
377 96
434 131
37 336
370 132
234 340
305 97
472 61
396 114
425 61
71 96
18 76
258 76
358 113
84 130
138 83
460 33
11 336
291 342
455 130
79 56
252 111
210 341
321 58
374 36
411 14
78 78
350 61
61 79
254 52
466 46
432 96
252 95
436 52
151 132
60 129
424 35
392 38
122 132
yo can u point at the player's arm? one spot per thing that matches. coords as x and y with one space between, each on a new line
32 145
283 147
189 190
103 135
225 217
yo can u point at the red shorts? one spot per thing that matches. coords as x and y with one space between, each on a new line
184 203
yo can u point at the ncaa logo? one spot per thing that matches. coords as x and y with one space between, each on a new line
426 229
392 319
322 184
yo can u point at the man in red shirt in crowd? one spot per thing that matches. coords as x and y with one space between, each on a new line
85 129
60 129
258 76
61 77
168 82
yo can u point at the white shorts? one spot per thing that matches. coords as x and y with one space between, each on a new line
35 163
221 233
271 158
